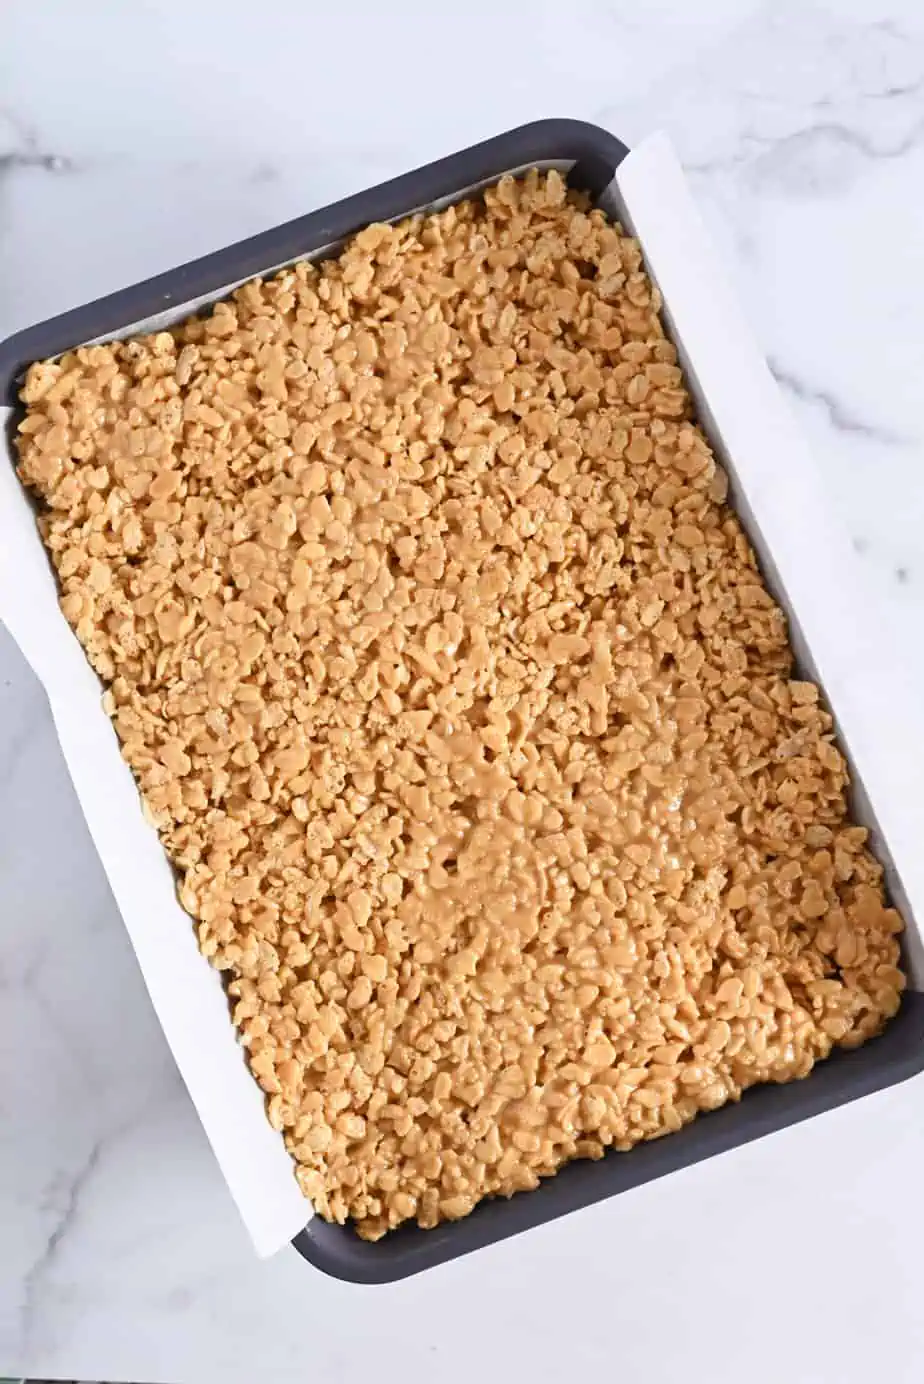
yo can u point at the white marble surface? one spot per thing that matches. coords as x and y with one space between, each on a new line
135 136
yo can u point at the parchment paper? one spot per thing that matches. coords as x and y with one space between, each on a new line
806 557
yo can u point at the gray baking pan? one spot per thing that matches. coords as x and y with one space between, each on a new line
590 157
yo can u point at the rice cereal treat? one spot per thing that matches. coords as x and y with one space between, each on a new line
454 692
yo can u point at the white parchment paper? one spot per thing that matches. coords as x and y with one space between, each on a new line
805 556
186 991
804 552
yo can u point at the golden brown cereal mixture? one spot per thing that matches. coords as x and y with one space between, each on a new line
460 706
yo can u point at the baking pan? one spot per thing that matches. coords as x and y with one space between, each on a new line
590 157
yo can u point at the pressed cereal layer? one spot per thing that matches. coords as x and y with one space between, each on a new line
458 701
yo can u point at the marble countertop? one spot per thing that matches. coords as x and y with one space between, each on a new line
133 137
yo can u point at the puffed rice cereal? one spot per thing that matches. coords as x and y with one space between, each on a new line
454 692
